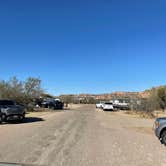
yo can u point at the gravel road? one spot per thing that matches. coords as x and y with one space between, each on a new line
82 136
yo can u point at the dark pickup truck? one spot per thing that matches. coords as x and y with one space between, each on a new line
9 110
52 104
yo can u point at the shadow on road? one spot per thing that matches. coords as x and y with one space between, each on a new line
27 120
57 110
32 119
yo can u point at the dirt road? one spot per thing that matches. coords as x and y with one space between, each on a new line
82 137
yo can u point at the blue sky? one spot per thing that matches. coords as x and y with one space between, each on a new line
84 46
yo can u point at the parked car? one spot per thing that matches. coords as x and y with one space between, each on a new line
99 105
108 106
52 104
160 129
9 110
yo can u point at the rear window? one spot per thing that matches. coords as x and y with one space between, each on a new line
6 102
108 103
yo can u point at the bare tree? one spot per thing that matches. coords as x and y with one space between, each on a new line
33 87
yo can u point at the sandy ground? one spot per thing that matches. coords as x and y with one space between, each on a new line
82 136
75 106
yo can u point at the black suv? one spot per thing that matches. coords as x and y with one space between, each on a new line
9 110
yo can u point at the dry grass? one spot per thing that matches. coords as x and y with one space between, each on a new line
136 114
160 113
141 114
37 114
149 115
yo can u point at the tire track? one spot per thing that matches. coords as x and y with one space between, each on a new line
66 137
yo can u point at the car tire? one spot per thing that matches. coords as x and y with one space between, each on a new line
20 120
4 118
163 137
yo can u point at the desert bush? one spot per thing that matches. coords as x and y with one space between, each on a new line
22 92
155 101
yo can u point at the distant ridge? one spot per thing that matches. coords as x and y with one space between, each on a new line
118 94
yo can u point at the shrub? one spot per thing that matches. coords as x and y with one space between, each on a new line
22 92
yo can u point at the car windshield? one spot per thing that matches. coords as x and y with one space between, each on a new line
6 102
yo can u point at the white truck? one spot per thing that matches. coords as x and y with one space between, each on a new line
120 105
